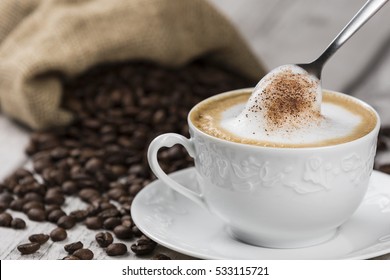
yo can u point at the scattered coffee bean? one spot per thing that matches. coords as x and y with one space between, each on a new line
3 206
89 194
55 215
66 222
123 232
381 144
40 238
385 131
58 234
18 223
33 205
94 222
161 257
143 246
127 223
79 215
94 164
104 239
6 198
116 249
5 219
32 196
28 248
36 214
109 213
71 258
54 198
69 187
17 204
111 223
136 231
83 254
51 207
385 168
72 247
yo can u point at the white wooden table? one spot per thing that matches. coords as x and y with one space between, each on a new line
279 32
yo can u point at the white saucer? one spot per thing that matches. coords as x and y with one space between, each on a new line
179 224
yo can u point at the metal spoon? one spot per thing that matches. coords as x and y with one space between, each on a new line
361 17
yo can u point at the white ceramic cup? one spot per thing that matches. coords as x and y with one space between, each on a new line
275 197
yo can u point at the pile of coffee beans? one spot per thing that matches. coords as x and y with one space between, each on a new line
101 156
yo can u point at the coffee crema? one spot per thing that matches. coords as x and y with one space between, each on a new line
343 120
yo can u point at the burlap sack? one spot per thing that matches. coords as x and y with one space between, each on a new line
42 40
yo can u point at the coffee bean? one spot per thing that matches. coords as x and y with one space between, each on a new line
28 248
54 198
66 222
104 239
22 173
58 234
94 164
123 232
143 246
116 249
127 223
51 207
58 153
71 258
161 257
79 215
83 254
5 219
32 196
126 217
18 223
3 206
40 238
106 205
17 204
134 189
385 131
109 213
6 198
36 214
381 144
94 222
111 223
69 187
385 168
55 215
89 194
116 193
72 247
33 204
136 231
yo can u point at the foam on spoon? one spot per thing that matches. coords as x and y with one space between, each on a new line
285 107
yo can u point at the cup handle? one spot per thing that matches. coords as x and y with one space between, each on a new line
168 140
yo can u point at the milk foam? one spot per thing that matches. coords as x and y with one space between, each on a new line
336 122
285 107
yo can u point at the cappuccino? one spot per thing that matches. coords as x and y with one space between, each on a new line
341 119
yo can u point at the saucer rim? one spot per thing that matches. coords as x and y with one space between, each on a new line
194 254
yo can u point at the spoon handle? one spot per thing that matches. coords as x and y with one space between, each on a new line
364 14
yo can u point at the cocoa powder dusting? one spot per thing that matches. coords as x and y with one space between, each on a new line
289 101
